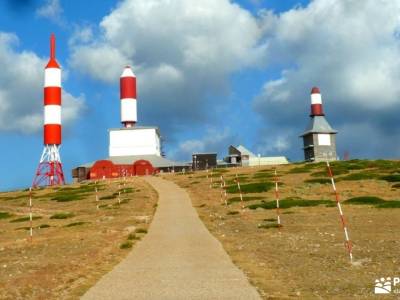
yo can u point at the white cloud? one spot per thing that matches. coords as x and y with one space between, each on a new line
21 90
214 140
350 49
51 10
182 51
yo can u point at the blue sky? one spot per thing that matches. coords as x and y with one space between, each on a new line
210 73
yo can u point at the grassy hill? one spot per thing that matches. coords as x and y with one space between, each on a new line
306 257
76 239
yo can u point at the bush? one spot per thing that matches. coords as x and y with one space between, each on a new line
62 215
245 198
257 187
288 203
76 224
132 236
5 215
366 200
126 245
358 176
267 226
232 213
375 201
391 178
318 180
24 219
141 230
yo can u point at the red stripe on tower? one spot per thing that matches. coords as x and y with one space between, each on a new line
52 99
316 103
128 98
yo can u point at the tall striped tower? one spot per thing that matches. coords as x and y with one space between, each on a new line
128 98
49 171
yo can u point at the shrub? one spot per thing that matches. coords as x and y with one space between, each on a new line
267 226
109 197
62 215
141 230
288 203
24 219
366 200
132 236
358 176
5 215
318 180
257 187
232 213
76 224
43 226
126 245
245 198
391 178
375 201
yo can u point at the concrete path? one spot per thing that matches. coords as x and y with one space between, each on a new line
177 259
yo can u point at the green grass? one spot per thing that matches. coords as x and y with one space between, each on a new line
76 224
66 194
5 215
374 201
126 245
62 215
318 180
288 203
358 176
391 178
306 168
367 200
256 187
263 175
25 219
245 198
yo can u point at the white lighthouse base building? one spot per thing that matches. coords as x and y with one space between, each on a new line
135 141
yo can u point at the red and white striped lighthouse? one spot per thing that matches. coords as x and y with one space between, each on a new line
128 98
50 170
316 103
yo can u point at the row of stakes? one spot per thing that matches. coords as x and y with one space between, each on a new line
96 191
348 244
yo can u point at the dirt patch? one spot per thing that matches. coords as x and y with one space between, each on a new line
74 242
306 257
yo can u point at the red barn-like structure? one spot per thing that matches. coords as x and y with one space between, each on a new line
102 169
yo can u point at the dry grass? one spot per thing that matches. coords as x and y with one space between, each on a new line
74 243
306 258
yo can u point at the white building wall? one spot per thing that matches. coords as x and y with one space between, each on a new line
265 161
134 141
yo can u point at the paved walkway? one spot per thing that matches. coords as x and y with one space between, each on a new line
177 259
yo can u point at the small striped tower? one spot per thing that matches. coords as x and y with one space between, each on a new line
49 171
128 98
319 138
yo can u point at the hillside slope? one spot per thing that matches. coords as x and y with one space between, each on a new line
306 257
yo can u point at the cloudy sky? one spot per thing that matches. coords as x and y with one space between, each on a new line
210 73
